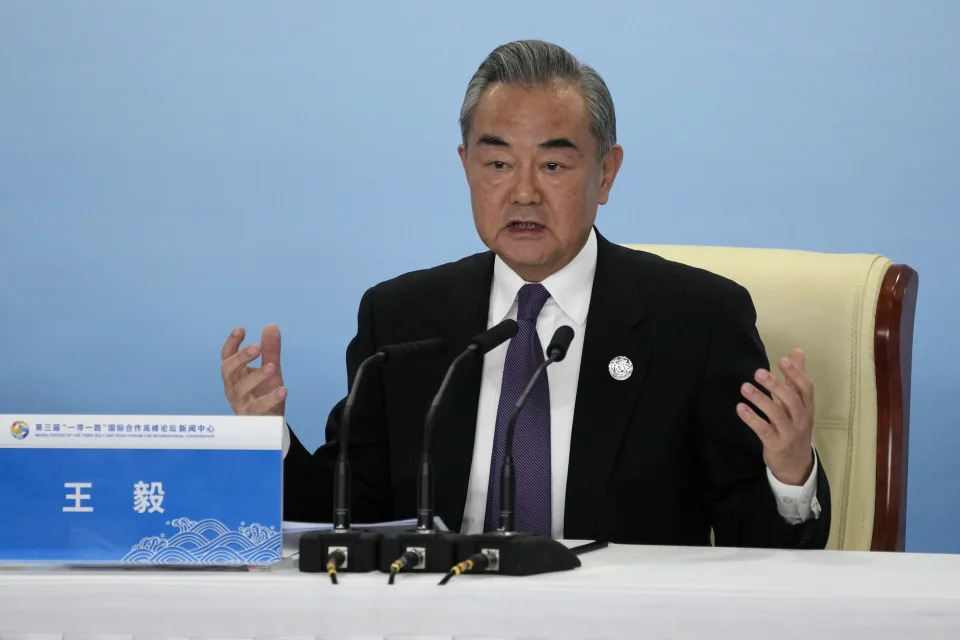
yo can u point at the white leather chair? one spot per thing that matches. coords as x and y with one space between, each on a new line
853 316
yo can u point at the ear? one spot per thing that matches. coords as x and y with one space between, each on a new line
609 168
462 150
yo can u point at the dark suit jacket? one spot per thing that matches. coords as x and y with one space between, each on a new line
660 458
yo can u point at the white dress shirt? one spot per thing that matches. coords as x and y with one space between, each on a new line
570 291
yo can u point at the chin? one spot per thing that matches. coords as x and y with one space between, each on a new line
517 262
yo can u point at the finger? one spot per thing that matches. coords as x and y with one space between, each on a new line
799 358
246 385
775 413
798 381
270 344
761 427
788 398
232 344
262 405
231 367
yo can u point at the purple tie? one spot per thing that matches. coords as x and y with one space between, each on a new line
531 438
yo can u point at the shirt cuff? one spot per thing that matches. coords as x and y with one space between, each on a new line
286 439
797 504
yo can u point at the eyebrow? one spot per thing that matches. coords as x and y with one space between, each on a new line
559 143
492 140
553 143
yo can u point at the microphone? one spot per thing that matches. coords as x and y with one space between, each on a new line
492 338
556 352
505 550
405 350
343 548
479 345
341 477
424 548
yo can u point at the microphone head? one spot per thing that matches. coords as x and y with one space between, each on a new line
429 347
494 337
560 342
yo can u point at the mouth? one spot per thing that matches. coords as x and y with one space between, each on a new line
525 227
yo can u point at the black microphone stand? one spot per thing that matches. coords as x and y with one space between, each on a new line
343 548
425 549
506 551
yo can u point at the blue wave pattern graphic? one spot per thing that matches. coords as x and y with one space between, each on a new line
208 542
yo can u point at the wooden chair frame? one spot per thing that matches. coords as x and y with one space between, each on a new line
893 348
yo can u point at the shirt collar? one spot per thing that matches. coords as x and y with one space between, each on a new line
570 287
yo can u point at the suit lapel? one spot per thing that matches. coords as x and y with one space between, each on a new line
455 431
604 405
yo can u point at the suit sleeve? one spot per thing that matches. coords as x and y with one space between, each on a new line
743 509
308 479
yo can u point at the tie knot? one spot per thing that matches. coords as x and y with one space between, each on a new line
530 301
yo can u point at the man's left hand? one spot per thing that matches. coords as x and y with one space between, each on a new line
787 435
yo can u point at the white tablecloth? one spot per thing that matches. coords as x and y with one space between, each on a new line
620 592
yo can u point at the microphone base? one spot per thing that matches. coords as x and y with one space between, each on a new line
361 547
438 548
519 554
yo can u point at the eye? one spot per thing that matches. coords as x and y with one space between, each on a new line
552 167
498 164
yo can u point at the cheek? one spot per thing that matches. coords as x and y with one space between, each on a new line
486 213
568 202
487 200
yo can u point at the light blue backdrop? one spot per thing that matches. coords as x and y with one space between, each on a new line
170 170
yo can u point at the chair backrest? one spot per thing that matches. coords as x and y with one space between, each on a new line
828 305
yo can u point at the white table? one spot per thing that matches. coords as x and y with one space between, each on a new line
620 592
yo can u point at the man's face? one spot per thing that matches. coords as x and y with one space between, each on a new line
535 181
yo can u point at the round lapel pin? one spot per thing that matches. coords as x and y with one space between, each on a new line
620 368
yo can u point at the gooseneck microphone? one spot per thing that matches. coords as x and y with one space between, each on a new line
479 346
341 474
506 551
424 548
556 352
343 548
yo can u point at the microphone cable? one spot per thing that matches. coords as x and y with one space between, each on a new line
410 557
334 562
476 562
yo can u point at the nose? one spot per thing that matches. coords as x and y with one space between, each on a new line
526 191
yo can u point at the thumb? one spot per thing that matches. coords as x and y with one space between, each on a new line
270 345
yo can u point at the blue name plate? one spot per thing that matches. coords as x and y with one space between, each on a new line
143 490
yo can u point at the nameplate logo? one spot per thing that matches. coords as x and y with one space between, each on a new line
19 430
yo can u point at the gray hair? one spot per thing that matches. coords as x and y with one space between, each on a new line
537 63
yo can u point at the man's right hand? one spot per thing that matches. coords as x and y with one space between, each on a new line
253 391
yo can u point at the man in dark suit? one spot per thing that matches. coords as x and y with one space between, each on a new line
662 424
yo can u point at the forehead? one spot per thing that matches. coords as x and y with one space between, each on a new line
542 112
